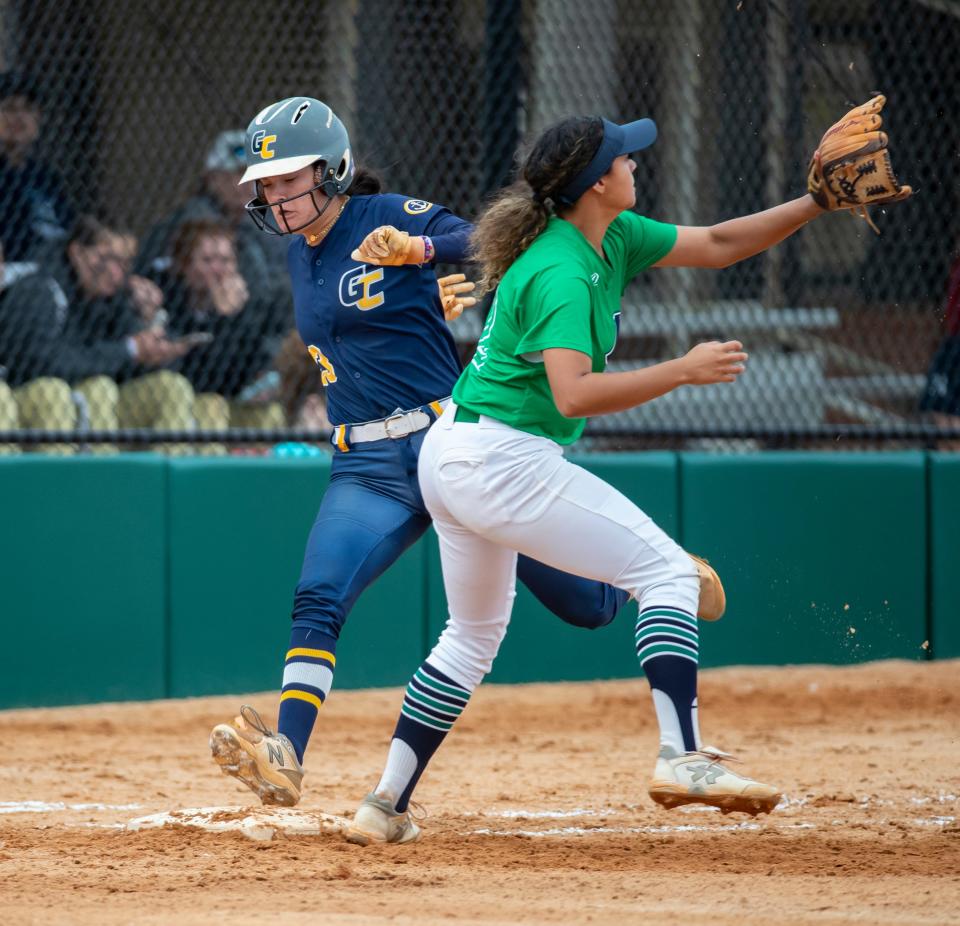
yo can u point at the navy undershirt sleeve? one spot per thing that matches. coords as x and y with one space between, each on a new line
450 236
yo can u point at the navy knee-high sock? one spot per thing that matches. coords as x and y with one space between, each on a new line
307 678
668 648
431 705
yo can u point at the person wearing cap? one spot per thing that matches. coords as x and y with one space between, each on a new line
561 245
221 197
35 209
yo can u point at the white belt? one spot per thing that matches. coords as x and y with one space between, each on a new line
393 427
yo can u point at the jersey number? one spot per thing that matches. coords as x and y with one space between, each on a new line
329 375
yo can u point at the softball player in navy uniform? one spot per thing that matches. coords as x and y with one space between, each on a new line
368 308
494 477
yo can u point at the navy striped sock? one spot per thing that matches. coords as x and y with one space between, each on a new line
668 650
431 705
307 679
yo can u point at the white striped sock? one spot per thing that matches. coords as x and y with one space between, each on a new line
401 765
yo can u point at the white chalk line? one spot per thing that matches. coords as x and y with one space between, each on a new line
935 821
941 798
55 806
619 830
544 814
264 824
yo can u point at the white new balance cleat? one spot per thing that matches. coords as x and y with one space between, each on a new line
377 821
264 761
699 778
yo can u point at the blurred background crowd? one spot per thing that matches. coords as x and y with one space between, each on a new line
186 327
136 296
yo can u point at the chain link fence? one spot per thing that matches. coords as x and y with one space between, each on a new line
120 140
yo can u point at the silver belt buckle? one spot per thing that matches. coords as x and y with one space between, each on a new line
386 425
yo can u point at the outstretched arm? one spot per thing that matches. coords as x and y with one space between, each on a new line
728 242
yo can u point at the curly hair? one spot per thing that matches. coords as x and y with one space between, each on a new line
514 218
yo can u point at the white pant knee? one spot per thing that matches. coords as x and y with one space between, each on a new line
465 652
676 585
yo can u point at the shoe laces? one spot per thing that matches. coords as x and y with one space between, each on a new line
713 754
250 715
417 811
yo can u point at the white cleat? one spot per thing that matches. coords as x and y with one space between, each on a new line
263 760
376 820
699 778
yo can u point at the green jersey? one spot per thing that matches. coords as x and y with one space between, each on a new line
559 293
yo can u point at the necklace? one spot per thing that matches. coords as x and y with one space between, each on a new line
314 240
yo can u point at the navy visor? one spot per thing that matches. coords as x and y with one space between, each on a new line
617 140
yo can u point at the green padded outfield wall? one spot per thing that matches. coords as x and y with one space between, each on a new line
83 591
238 529
945 554
138 577
539 646
823 556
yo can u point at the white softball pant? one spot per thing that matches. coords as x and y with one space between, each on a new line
494 491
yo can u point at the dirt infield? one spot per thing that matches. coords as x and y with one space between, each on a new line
537 811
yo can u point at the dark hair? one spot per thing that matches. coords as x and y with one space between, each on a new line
189 234
365 182
514 218
88 230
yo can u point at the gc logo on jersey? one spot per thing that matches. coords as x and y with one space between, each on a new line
355 287
262 144
416 206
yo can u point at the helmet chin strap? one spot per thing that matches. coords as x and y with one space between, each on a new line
317 209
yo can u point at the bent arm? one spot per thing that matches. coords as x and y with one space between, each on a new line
450 236
578 392
737 239
73 362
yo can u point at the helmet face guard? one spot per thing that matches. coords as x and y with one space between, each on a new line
264 217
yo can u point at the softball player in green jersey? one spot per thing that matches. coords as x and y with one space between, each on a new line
562 246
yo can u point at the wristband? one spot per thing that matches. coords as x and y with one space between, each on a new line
428 250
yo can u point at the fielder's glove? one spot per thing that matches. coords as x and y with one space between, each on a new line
452 298
387 246
851 167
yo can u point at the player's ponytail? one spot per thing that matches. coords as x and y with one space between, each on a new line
366 182
504 230
514 218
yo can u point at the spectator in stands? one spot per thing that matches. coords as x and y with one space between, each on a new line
262 260
35 210
207 296
83 341
941 396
